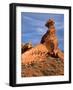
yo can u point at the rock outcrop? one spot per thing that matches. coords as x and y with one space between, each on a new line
38 53
25 47
45 58
50 40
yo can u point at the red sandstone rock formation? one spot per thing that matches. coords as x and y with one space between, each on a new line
25 47
38 53
50 40
49 45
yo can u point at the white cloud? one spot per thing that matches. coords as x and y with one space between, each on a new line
40 30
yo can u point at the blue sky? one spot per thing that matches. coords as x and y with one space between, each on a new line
33 27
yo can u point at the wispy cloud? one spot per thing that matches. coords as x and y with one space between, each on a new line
40 30
59 25
33 21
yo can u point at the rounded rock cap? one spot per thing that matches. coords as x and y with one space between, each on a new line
49 23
